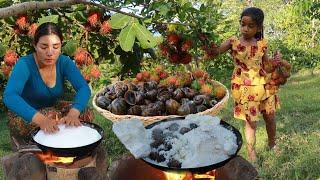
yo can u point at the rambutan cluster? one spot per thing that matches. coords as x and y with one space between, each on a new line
202 82
154 75
197 79
85 63
208 47
10 58
23 26
279 69
176 48
95 23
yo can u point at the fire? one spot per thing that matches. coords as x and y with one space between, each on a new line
49 158
175 175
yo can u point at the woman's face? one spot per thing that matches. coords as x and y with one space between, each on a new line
248 27
48 49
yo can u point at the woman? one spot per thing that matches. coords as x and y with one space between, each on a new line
37 80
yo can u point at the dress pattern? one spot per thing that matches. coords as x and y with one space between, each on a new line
248 81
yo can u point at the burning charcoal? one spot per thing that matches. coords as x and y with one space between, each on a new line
157 143
193 125
174 163
156 157
173 127
184 130
157 134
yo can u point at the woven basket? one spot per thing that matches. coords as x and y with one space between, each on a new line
151 119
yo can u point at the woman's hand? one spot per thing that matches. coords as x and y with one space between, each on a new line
72 118
48 124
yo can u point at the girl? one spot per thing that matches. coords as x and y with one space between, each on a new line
250 78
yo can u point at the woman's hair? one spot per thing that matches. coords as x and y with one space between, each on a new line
47 28
257 16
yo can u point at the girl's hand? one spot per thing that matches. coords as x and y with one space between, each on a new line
72 118
277 58
46 123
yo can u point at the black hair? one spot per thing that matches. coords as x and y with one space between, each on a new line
257 16
47 28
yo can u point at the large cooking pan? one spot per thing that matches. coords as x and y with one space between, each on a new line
202 169
80 151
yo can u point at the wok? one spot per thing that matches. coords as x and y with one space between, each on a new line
202 169
80 151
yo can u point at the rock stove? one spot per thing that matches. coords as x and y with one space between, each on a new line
58 168
128 168
30 163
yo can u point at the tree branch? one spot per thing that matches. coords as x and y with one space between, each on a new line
22 8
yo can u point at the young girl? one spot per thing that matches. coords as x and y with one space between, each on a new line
250 78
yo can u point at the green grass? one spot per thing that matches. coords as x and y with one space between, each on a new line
298 132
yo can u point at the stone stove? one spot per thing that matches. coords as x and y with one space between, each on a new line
30 163
128 168
62 171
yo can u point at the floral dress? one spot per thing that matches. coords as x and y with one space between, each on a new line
248 81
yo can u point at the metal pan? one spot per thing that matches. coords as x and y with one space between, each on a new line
202 169
80 151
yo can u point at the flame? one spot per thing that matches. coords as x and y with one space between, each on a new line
49 158
178 175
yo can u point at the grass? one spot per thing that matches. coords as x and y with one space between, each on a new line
298 132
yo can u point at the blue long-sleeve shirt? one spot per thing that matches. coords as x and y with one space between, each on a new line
26 92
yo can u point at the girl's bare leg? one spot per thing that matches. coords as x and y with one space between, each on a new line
271 128
250 133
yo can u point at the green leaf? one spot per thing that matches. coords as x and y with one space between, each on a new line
144 36
52 18
127 37
70 47
119 21
79 15
164 9
79 7
10 20
4 3
2 50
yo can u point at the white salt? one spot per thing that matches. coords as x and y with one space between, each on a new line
207 144
133 135
68 137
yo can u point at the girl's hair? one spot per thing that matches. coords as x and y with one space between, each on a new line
47 28
257 16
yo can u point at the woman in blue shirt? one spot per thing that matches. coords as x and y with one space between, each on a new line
37 79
